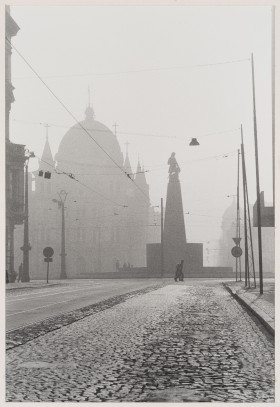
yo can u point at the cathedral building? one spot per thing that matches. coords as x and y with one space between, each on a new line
107 207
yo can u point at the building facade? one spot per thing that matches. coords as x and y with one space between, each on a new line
226 242
107 213
15 159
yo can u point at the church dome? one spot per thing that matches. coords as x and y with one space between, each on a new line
78 148
230 212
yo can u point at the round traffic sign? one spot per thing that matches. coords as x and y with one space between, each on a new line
236 251
48 252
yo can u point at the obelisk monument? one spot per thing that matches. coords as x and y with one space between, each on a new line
174 234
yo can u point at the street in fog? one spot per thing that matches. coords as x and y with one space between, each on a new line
187 341
140 203
24 308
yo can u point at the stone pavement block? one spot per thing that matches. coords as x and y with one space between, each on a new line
94 358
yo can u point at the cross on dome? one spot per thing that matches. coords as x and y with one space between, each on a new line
89 112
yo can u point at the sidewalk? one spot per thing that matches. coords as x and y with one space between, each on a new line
262 306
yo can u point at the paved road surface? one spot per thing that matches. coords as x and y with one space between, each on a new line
25 306
186 342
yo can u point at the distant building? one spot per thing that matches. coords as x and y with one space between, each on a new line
15 158
267 213
268 236
107 213
226 242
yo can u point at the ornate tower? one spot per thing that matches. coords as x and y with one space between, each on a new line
174 235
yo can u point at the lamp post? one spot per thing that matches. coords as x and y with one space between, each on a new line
61 204
25 278
161 240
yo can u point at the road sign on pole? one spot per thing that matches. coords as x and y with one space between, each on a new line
48 253
236 251
237 240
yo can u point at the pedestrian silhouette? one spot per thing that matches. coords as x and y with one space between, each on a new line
20 270
179 271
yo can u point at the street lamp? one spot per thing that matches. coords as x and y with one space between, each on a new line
26 244
194 142
62 195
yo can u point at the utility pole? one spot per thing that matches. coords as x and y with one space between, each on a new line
26 245
61 204
257 181
161 242
63 196
237 259
245 212
250 269
273 99
99 250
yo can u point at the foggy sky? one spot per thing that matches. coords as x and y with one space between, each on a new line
141 65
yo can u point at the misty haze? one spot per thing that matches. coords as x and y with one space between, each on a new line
140 203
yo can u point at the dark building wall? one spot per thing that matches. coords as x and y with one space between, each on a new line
267 214
15 158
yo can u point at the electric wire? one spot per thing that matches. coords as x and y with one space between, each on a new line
132 71
130 132
75 119
70 175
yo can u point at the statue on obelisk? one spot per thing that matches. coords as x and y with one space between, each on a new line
174 168
174 234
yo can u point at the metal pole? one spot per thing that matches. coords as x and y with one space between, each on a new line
12 253
26 246
257 181
161 242
273 98
245 212
250 231
237 213
63 253
238 223
99 250
238 260
63 196
48 263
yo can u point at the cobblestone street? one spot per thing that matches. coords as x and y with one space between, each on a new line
181 342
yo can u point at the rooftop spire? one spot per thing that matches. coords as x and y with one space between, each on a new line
89 110
138 165
47 157
127 165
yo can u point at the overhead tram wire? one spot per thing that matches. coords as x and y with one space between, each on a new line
133 133
76 120
144 70
72 176
227 154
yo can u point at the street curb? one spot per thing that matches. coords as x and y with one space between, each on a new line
265 320
30 286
